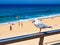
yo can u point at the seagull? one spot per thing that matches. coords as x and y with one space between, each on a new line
40 24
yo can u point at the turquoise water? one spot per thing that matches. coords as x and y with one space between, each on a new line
8 13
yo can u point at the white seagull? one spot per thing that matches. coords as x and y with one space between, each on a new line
40 24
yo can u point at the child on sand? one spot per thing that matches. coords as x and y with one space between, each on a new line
10 27
21 24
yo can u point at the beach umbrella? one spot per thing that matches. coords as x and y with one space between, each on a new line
40 25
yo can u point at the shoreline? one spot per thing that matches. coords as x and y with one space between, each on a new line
24 20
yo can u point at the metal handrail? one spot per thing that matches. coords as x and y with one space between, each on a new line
29 36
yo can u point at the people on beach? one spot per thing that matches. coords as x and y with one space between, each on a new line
21 24
39 19
10 27
11 24
51 17
17 17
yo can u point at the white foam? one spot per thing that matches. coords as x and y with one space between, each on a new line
24 20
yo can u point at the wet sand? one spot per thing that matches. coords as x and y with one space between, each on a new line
28 28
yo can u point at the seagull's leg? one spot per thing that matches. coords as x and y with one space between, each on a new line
39 31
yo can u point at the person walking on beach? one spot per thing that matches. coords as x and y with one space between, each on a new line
17 17
21 24
10 27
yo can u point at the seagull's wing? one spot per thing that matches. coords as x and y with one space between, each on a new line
41 25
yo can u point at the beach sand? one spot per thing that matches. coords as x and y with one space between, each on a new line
28 28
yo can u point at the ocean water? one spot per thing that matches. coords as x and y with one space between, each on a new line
10 12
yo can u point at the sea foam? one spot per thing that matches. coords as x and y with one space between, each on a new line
24 20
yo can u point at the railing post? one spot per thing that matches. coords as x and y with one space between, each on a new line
2 44
41 40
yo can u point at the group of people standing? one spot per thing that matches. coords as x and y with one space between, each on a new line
11 24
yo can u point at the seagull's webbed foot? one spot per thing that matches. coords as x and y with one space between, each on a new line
39 33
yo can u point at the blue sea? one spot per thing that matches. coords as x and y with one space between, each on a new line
9 12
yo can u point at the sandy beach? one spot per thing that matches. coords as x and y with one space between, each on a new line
28 28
